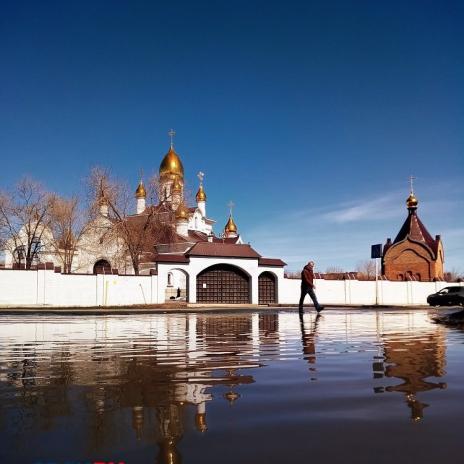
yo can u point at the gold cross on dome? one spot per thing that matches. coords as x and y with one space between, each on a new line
231 205
171 134
201 176
411 183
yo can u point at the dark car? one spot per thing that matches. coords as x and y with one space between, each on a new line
448 296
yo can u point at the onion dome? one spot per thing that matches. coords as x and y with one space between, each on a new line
176 186
412 201
230 227
182 213
171 165
201 195
141 192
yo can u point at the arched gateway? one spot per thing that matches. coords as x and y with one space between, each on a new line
223 283
102 266
267 288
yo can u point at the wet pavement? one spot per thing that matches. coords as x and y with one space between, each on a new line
260 386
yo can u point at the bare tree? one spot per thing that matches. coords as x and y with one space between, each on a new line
454 275
366 270
68 222
24 221
138 233
334 270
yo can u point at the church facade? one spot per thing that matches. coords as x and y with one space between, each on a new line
414 254
195 264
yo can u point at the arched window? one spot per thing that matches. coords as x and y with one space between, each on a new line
196 222
170 279
400 277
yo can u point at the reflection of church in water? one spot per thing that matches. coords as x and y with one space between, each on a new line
413 361
165 387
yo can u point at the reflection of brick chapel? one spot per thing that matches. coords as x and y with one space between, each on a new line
414 254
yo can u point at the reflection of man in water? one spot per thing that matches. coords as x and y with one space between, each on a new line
308 287
308 340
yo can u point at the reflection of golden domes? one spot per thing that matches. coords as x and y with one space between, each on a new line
200 422
171 164
141 192
412 201
201 195
176 186
182 212
230 226
231 397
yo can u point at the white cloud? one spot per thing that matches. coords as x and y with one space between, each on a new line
341 235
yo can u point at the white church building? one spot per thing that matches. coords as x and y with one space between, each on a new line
198 266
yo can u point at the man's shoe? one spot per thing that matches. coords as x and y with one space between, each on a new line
321 308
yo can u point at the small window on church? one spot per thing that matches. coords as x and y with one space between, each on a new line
400 277
196 222
169 280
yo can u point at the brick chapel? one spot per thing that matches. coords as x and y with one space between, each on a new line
414 254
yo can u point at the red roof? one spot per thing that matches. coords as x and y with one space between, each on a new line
223 250
171 258
271 262
416 231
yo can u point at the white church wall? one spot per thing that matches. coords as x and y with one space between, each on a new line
355 292
47 288
18 287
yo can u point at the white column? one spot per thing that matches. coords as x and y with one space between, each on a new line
192 294
254 289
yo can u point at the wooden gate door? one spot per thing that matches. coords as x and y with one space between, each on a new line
267 288
223 283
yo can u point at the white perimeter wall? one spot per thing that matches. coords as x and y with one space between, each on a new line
47 288
52 289
357 292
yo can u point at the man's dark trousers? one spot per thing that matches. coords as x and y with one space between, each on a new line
306 289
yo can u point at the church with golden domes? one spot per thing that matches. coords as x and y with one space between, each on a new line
414 254
194 264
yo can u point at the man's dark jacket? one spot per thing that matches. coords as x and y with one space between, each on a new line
307 277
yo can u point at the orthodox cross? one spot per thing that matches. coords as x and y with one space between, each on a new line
171 134
411 183
141 175
201 176
231 206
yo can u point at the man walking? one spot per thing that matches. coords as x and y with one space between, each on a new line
307 286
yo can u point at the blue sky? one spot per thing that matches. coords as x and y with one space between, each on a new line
310 116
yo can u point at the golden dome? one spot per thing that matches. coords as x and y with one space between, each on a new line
230 226
201 195
141 192
412 201
171 164
182 212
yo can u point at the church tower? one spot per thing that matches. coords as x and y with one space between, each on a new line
171 176
141 196
414 254
230 229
